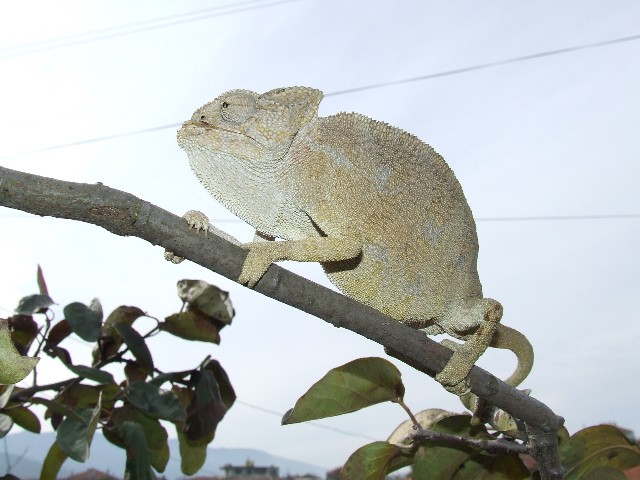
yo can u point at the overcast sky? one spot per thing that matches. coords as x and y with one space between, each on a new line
553 135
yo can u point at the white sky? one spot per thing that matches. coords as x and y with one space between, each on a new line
556 135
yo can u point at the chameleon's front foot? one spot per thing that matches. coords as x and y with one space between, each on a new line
260 257
196 220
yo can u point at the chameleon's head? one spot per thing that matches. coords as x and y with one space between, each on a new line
245 125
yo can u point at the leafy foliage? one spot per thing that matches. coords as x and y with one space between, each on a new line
128 411
442 445
437 444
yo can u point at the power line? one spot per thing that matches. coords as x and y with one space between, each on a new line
92 140
559 217
520 219
61 42
315 424
540 218
490 64
351 90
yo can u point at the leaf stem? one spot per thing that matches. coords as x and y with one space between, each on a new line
400 401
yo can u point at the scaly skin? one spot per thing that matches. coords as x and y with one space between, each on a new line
379 209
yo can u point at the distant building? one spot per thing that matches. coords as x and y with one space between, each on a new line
250 471
92 474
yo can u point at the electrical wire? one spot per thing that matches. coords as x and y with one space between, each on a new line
560 217
315 424
482 66
92 140
538 218
350 90
112 32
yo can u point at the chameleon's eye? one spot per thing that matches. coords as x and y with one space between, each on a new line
237 107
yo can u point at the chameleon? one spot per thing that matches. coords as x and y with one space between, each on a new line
379 209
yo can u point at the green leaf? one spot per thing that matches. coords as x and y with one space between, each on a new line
498 467
353 386
192 455
74 438
403 459
191 326
83 396
6 423
95 374
370 462
24 418
13 366
134 372
85 321
155 434
57 407
42 285
33 304
155 402
138 464
136 345
227 393
122 314
597 446
206 409
110 339
605 473
427 464
52 463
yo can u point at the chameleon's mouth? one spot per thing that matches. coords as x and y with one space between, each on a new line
192 128
196 123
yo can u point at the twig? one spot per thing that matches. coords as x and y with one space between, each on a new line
490 446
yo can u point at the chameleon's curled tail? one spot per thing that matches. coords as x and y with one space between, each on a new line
510 339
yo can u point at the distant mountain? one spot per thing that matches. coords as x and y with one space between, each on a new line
26 452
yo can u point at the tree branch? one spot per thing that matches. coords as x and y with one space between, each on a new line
126 215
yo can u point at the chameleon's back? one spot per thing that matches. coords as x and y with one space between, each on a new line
398 194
